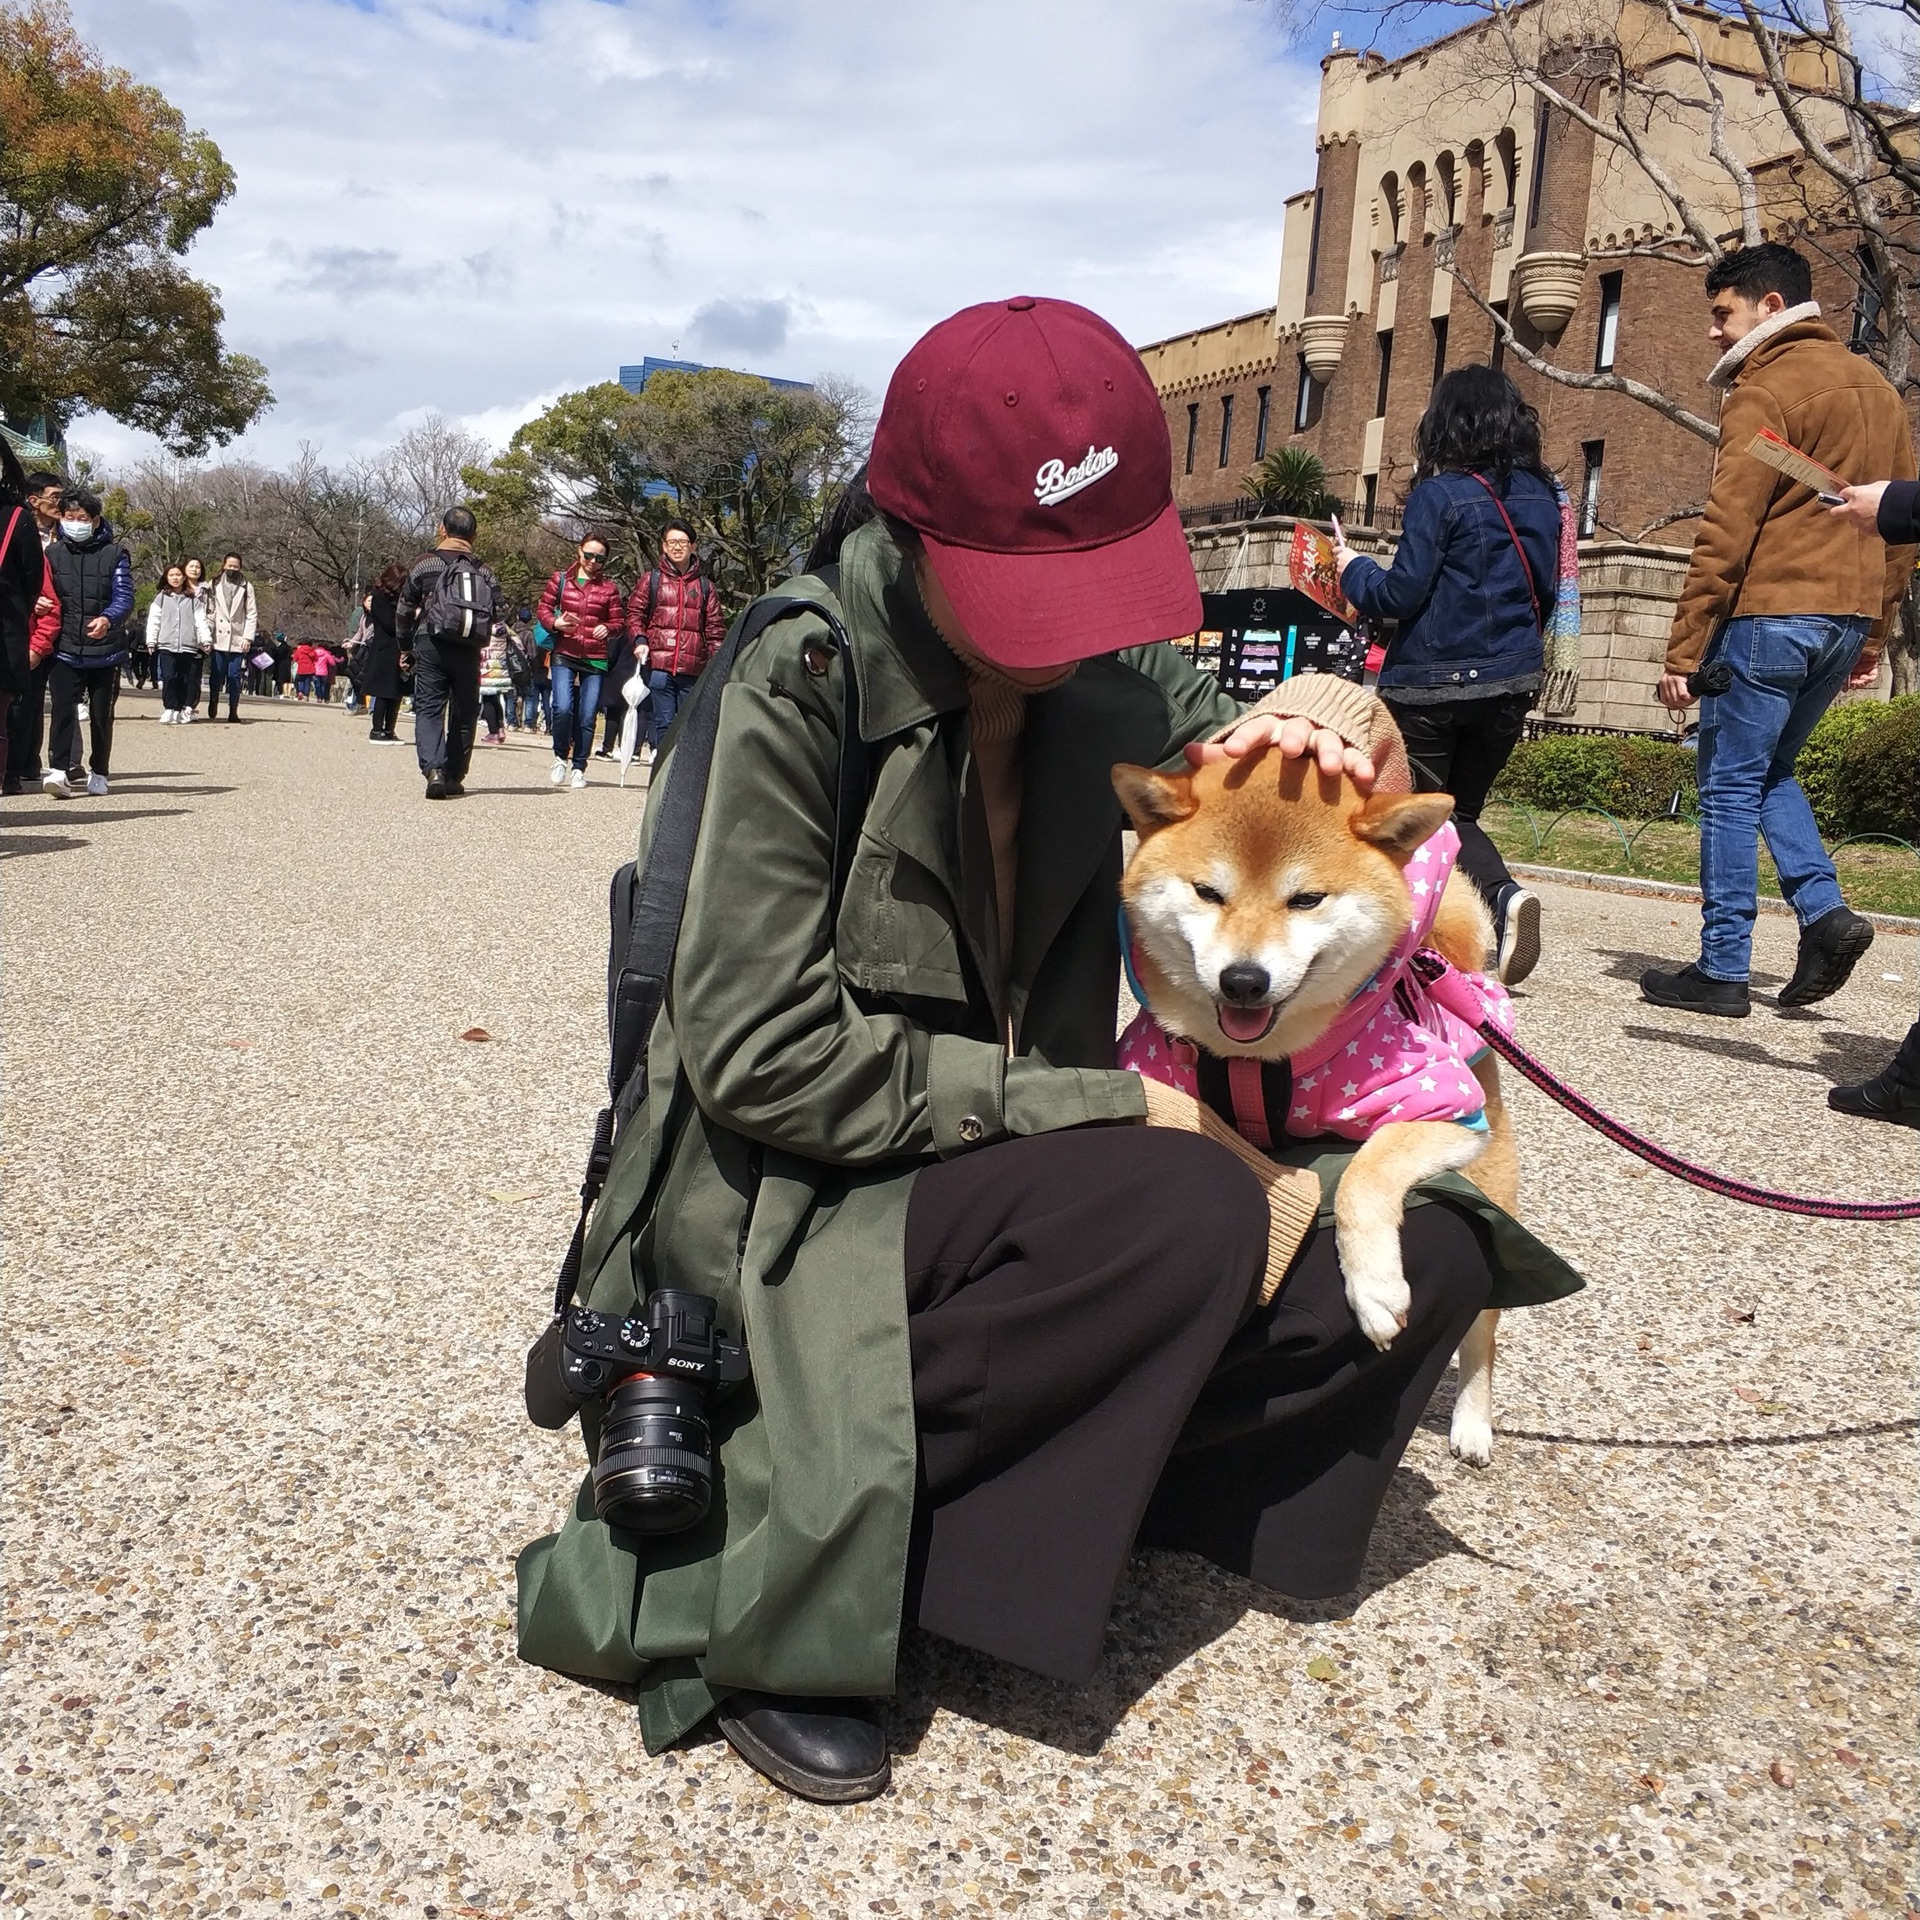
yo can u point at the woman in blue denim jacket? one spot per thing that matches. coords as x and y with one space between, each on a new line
1473 577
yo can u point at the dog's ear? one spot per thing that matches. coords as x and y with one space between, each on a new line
1153 800
1397 823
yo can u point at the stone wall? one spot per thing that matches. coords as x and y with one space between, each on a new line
1627 595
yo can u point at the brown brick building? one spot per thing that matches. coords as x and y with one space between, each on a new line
1439 180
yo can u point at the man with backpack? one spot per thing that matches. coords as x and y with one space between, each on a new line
445 614
677 626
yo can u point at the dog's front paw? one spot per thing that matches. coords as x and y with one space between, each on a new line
1471 1438
1380 1303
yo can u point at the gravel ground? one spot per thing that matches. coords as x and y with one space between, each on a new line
278 1237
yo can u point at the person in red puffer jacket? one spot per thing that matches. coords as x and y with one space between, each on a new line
675 615
583 610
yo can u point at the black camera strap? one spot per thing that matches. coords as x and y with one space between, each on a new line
655 896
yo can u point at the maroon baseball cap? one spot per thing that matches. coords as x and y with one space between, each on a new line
1023 441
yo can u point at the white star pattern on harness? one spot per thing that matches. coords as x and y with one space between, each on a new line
1426 1083
1377 1061
1353 1046
1421 857
1395 1108
1300 1113
1350 1089
1420 886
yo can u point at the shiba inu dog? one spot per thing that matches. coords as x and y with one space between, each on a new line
1273 913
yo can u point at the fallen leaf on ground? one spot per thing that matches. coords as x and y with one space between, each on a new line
1750 1395
1322 1668
1781 1774
1739 1316
240 1045
476 1033
513 1196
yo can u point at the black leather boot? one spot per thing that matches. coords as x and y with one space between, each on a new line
821 1749
1828 950
1892 1094
1696 992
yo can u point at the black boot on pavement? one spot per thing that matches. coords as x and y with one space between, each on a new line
1694 992
830 1750
436 785
1892 1094
1828 950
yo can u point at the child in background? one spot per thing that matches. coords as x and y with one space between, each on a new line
495 684
303 670
324 662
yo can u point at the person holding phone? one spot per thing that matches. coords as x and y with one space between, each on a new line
1891 509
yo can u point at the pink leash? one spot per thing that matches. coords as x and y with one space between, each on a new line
1459 998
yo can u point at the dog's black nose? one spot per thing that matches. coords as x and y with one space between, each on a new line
1244 984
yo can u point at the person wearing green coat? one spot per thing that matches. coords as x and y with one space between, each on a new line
999 1328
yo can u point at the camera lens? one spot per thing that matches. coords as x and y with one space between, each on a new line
655 1470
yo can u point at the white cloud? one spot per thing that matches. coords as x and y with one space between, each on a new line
444 208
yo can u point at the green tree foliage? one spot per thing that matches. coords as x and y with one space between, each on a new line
750 467
1293 480
102 188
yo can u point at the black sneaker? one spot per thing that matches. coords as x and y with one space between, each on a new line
1828 950
456 790
436 785
1693 991
831 1750
1885 1097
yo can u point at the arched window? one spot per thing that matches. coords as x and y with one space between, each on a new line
1446 190
1387 211
1416 222
1507 150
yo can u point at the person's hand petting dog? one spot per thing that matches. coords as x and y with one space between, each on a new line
1294 736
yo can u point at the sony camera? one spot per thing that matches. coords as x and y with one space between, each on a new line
655 1369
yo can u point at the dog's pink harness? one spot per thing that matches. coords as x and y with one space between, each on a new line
1395 1053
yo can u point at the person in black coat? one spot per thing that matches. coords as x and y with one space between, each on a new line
22 569
380 658
1890 508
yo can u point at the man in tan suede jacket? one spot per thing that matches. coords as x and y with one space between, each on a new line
1793 606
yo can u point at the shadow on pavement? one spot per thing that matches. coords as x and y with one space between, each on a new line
94 815
1170 1605
1846 1056
1870 1430
18 846
1630 966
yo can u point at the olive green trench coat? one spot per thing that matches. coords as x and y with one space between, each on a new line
799 1077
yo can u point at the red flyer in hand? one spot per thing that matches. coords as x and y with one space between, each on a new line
1310 567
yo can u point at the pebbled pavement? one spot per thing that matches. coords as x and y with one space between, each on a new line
276 1238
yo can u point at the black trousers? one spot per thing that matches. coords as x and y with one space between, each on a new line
385 713
446 704
1459 747
27 725
101 685
1089 1367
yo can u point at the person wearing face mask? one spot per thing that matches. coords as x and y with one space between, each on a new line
93 578
231 612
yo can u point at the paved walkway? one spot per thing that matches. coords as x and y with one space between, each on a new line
276 1238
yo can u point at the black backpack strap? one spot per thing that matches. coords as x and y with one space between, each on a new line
659 898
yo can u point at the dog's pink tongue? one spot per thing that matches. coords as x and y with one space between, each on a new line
1245 1024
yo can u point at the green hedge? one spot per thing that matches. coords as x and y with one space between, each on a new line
1878 785
1860 769
1632 778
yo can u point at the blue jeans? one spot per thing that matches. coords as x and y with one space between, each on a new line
576 699
1786 670
667 693
224 671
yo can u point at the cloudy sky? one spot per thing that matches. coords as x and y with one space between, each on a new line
472 208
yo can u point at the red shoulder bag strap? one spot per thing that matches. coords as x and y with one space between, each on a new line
1533 591
6 545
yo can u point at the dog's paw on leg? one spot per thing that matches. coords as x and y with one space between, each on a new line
1380 1298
